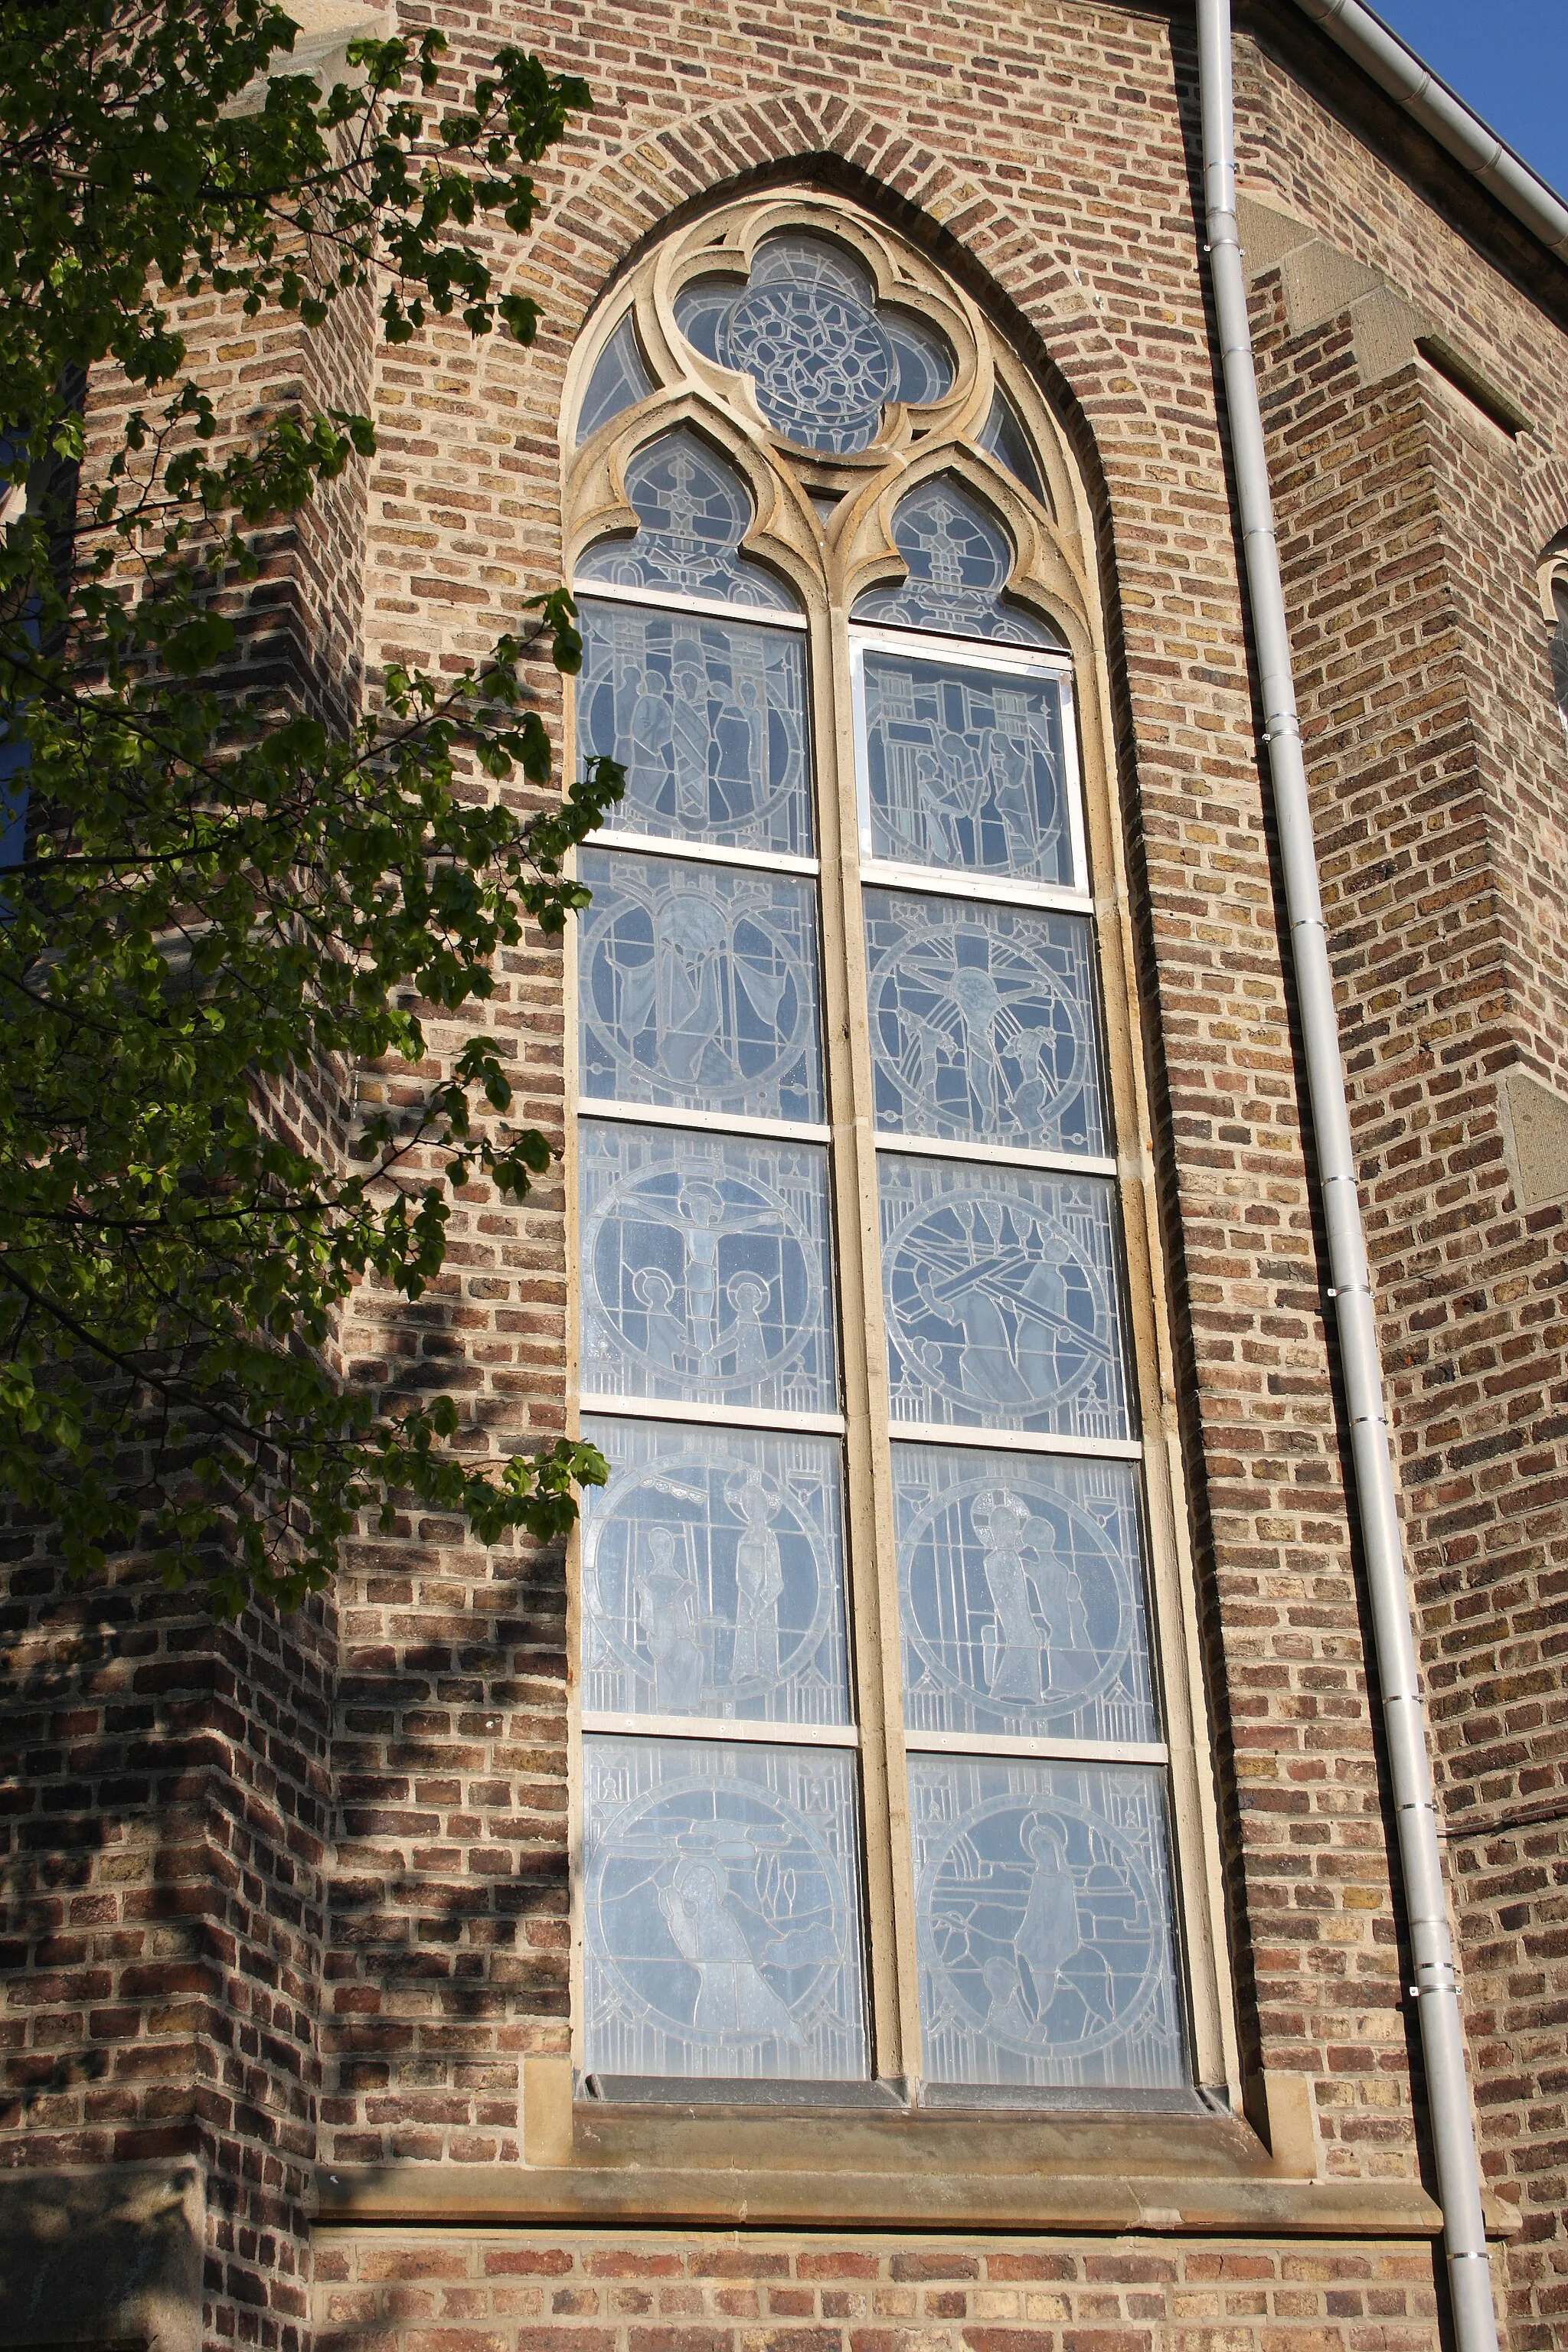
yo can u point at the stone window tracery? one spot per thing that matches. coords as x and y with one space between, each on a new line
879 1783
1553 585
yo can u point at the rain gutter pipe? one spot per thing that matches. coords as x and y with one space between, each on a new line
1349 1289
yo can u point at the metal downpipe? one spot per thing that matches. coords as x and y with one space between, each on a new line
1373 1494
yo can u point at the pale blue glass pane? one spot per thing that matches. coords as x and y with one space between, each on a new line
707 1270
694 510
1005 437
1022 1595
983 1023
713 1575
698 986
709 720
700 309
924 361
965 769
959 562
1043 1924
620 379
1003 1303
806 328
721 1905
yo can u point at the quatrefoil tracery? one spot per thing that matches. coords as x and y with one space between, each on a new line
833 373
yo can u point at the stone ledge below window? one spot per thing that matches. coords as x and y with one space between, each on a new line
653 2196
595 2164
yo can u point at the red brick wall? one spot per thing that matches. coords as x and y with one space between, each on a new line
1438 769
166 1809
472 2293
166 1818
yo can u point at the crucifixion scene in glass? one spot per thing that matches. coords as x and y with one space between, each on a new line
748 1013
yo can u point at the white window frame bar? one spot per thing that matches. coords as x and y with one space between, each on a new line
998 1155
1028 1746
704 853
800 1130
705 1122
660 600
720 1727
1015 1440
996 890
698 1410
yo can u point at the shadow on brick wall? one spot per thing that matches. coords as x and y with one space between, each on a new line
110 2259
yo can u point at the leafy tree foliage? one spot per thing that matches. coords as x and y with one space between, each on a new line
222 900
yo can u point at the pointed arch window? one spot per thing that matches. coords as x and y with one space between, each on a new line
879 1783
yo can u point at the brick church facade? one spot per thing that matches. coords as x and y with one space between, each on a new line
300 2039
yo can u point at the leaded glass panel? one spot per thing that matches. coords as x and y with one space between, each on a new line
1043 1924
1003 1304
1021 1581
721 1875
983 1023
713 1575
700 987
825 357
702 308
966 767
709 720
1005 437
722 1900
620 379
694 510
705 1269
959 564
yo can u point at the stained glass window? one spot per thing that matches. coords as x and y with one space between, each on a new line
723 1889
1022 1584
1559 642
1043 1924
693 511
713 1575
619 380
728 1620
706 1270
1004 437
722 1911
700 987
1002 1298
708 717
965 768
826 358
983 1023
959 562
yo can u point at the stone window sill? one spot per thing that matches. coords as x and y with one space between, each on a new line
666 2196
600 2163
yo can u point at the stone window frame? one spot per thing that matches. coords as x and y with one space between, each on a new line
1551 587
830 560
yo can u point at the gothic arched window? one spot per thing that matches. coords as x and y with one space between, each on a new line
880 1782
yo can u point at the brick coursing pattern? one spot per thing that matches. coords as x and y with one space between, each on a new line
167 1822
166 1808
1410 530
1046 152
427 2293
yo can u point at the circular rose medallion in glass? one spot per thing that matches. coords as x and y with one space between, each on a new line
821 362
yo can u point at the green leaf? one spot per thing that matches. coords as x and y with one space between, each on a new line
231 906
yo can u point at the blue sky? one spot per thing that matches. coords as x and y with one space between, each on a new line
1507 59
